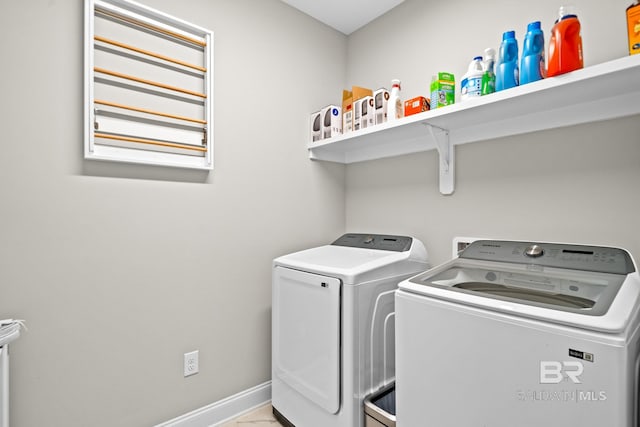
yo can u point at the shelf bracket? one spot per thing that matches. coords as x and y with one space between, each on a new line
447 160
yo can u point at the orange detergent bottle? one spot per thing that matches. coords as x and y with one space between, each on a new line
633 26
565 46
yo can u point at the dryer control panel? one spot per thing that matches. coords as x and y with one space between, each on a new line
375 241
575 257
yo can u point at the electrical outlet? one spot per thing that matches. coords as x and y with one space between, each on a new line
460 243
191 363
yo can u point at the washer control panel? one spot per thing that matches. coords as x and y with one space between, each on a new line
576 257
375 241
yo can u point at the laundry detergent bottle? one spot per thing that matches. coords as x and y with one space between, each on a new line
565 45
532 65
507 75
633 27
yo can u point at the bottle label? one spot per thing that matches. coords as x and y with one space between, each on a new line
471 86
488 83
399 109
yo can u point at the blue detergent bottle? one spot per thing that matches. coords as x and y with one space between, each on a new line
507 67
532 65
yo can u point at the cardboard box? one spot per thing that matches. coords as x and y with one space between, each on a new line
315 125
380 99
368 116
348 99
363 113
347 111
357 112
443 90
416 105
331 118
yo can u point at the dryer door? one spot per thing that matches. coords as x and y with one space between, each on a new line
306 335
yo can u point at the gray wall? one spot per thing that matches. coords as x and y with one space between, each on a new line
578 184
119 269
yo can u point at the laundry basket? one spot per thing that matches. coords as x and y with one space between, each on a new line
380 408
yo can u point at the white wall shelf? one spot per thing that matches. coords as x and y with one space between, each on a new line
600 92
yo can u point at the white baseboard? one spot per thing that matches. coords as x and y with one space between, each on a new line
225 409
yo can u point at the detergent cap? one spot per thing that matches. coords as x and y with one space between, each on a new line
508 35
533 26
567 11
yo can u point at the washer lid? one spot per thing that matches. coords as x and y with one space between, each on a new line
591 294
575 257
358 264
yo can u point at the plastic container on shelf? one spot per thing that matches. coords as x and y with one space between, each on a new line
633 27
489 75
565 45
471 83
395 109
507 75
532 67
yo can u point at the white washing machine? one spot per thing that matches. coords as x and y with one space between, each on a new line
333 326
520 334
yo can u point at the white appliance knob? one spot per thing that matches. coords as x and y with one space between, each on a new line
534 251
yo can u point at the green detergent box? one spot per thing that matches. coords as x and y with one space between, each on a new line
443 90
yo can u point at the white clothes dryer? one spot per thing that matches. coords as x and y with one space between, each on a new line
333 326
520 334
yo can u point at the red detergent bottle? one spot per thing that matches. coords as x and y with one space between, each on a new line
565 45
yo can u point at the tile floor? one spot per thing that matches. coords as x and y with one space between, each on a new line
260 417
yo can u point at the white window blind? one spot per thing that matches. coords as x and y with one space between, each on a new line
149 87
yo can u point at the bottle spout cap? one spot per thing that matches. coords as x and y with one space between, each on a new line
489 53
507 35
533 26
567 11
